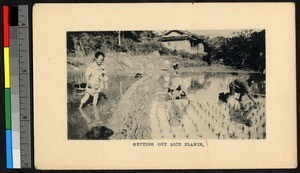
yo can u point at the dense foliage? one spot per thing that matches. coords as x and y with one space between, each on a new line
135 42
246 50
89 42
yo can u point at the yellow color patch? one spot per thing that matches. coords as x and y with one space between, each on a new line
6 67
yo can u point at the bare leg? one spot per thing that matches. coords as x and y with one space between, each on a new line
96 113
241 96
251 98
231 88
84 100
95 100
85 116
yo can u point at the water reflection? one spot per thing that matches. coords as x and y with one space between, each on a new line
205 89
192 110
95 128
198 82
202 114
90 119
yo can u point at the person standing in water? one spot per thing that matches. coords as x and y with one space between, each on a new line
96 79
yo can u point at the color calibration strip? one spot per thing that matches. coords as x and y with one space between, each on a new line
17 84
9 159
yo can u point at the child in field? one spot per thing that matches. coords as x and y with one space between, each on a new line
96 79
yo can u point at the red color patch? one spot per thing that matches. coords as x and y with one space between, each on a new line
6 26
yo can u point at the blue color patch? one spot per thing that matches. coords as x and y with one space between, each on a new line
9 159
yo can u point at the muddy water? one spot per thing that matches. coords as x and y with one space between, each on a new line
94 122
199 115
202 115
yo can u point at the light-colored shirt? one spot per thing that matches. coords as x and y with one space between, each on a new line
95 75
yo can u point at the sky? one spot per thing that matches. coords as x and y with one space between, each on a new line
216 33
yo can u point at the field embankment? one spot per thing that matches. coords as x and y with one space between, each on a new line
131 118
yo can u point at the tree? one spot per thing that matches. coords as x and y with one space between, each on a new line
244 51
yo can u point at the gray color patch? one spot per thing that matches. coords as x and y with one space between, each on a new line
13 32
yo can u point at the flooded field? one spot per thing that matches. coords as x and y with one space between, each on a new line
198 114
203 115
81 122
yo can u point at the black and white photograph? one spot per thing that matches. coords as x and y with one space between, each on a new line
166 84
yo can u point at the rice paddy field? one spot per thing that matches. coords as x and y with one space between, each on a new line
203 115
139 108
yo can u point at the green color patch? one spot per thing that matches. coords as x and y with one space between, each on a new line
7 109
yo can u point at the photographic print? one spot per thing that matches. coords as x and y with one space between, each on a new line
166 84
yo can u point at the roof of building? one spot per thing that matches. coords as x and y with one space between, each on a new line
174 38
183 35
